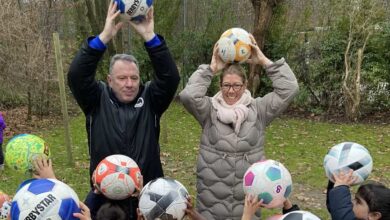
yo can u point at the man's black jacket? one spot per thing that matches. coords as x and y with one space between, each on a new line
116 128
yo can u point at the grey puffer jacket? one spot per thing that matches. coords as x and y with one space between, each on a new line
224 156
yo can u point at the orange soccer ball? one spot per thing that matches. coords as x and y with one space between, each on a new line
234 46
117 177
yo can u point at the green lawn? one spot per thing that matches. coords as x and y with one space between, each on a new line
299 144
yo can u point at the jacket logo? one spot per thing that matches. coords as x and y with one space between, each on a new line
140 103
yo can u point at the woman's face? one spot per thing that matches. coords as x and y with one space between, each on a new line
232 88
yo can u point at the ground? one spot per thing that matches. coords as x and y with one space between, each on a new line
299 141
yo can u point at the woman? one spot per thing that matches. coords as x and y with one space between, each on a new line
233 126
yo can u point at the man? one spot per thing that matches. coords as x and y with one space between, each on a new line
123 117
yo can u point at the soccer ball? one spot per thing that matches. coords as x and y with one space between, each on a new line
45 199
234 46
117 176
346 156
299 215
5 205
270 181
135 10
22 149
163 198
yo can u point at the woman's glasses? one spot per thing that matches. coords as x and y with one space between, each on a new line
236 87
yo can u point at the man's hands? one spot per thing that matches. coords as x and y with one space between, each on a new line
110 27
145 28
342 178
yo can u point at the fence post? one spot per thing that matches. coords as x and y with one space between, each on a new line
64 107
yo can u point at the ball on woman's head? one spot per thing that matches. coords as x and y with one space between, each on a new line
234 46
134 10
270 181
163 198
348 156
117 176
45 199
22 149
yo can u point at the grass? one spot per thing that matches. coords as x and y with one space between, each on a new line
299 144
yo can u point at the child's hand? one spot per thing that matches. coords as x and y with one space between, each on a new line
43 167
344 179
85 214
139 186
191 212
139 215
251 206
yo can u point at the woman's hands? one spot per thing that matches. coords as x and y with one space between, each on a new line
216 64
257 56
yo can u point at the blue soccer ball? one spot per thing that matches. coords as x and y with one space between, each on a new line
45 199
134 10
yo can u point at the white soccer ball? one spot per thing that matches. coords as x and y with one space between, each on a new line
234 46
299 215
45 199
134 10
270 181
117 176
346 156
163 198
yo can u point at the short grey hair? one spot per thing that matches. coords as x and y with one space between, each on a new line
124 57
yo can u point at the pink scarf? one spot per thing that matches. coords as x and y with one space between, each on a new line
234 114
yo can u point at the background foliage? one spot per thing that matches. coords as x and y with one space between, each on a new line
310 34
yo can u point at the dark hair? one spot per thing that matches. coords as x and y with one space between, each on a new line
377 197
234 68
111 211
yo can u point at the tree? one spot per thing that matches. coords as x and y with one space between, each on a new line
362 17
263 12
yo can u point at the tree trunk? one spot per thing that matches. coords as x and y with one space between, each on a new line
263 15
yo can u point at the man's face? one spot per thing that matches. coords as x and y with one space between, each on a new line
124 80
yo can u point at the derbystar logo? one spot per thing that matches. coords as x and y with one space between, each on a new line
41 207
133 7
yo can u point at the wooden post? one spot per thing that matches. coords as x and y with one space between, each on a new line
64 107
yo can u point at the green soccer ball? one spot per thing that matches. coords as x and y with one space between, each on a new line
22 149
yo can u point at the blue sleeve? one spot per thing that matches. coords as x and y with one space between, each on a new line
340 204
2 123
96 44
154 42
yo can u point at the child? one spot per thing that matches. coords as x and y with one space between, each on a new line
372 200
2 127
252 205
111 211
